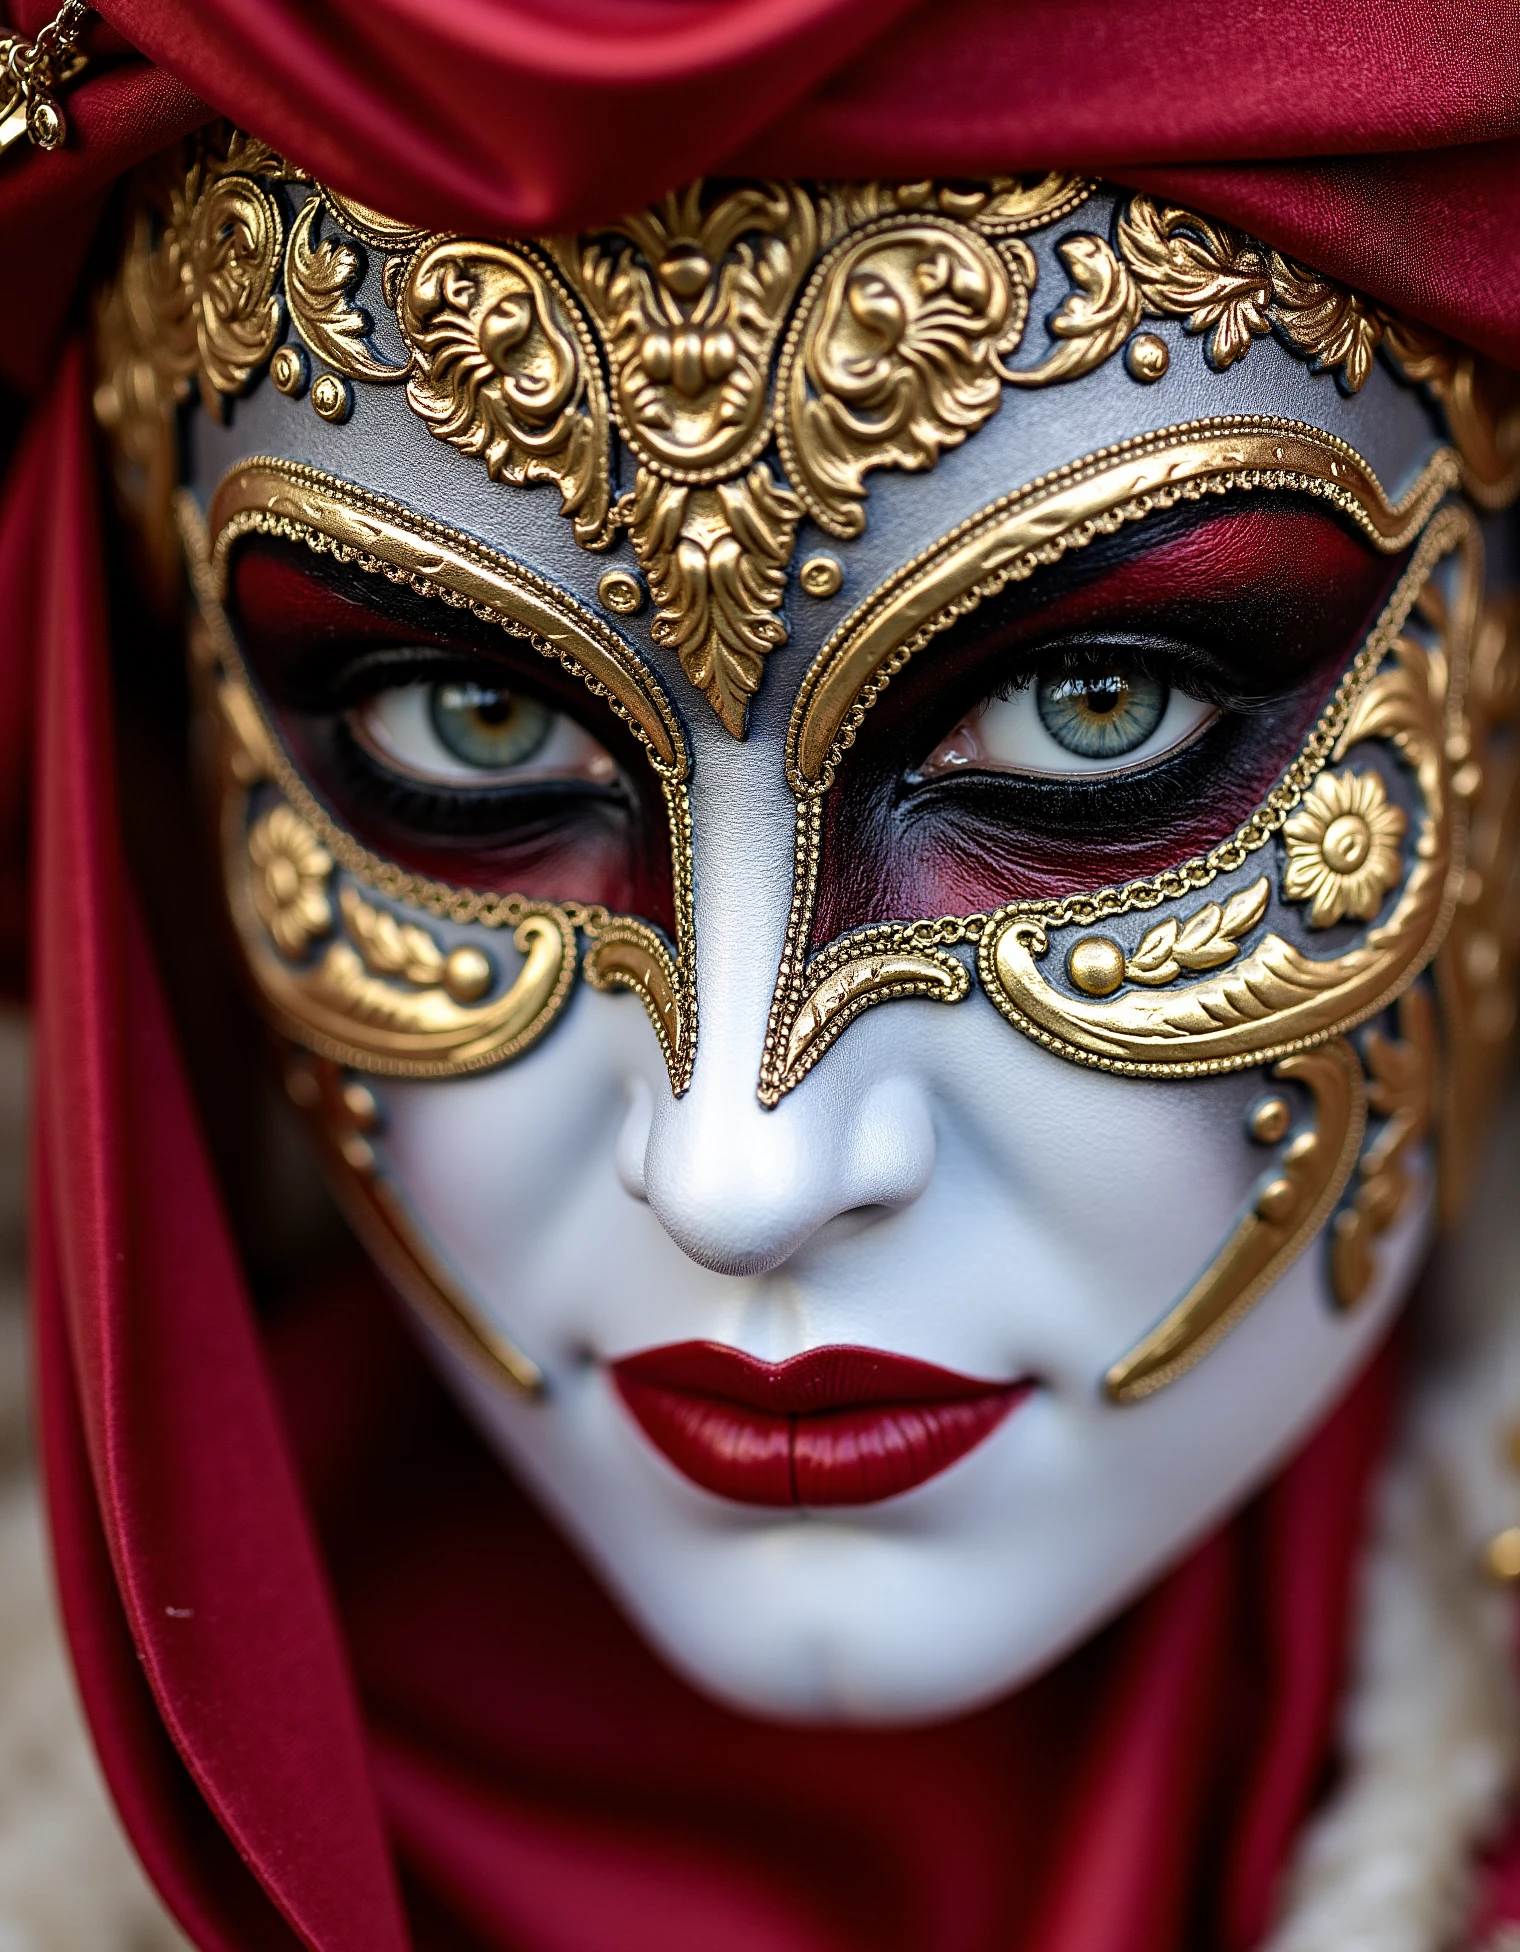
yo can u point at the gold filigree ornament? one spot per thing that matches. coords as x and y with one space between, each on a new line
756 349
337 967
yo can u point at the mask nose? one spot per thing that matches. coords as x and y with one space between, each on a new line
741 1189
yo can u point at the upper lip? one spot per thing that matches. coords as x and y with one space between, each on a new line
839 1376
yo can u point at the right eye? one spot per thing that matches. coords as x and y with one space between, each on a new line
461 732
1105 720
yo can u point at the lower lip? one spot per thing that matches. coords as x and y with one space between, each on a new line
834 1426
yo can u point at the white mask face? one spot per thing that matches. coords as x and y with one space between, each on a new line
903 1344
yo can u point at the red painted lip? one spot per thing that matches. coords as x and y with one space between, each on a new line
834 1426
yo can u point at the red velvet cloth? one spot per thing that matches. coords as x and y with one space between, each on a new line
349 1691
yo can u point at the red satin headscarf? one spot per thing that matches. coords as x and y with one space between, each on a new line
350 1692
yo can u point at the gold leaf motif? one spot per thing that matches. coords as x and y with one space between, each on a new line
1206 273
689 296
919 294
502 369
1095 320
320 277
716 561
1481 402
1332 327
1206 940
389 947
893 357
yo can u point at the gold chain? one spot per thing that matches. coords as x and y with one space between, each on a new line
33 72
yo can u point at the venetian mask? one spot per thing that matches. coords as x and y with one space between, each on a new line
876 821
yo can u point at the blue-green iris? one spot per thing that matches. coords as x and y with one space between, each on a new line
488 726
1101 715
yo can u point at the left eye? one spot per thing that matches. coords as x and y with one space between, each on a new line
463 733
1099 721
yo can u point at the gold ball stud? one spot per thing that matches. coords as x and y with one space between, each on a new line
331 397
1501 1556
361 1105
467 974
1269 1121
357 1152
1146 357
1096 965
821 576
288 371
621 592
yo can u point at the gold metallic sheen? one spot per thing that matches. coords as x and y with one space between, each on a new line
1287 1213
287 371
352 1004
1501 1557
331 397
821 576
1147 357
621 592
31 75
1403 1073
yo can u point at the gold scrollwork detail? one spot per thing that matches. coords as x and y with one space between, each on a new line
849 979
383 996
893 356
1478 969
320 278
1068 509
626 954
504 369
1285 1215
715 560
1252 1005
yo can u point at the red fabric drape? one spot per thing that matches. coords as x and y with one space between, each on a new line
372 1702
1381 141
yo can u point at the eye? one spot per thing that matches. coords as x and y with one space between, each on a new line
460 732
1103 720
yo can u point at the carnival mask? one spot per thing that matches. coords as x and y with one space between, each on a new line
866 810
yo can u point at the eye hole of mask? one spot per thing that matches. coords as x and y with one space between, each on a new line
461 732
1106 719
